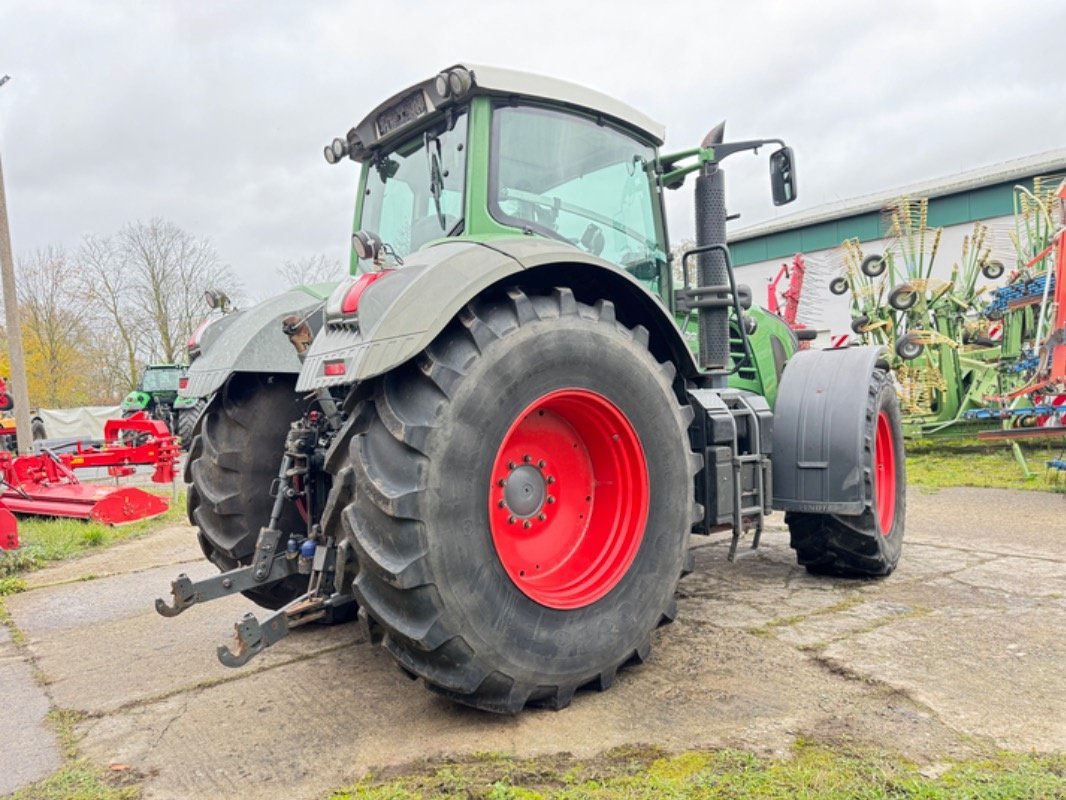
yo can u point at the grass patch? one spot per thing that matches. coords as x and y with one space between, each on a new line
813 771
53 539
80 780
933 464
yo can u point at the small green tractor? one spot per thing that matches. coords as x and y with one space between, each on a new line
157 395
491 444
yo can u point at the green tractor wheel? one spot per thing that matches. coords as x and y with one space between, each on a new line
521 500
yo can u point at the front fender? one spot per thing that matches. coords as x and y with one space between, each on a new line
820 421
252 341
401 313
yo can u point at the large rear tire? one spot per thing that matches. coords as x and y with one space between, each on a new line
868 544
232 463
521 498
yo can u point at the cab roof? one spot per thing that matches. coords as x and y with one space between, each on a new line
399 114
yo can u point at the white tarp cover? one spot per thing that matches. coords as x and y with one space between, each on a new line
82 423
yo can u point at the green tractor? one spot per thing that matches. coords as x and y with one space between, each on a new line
157 395
491 444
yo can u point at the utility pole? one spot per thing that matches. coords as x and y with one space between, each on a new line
14 330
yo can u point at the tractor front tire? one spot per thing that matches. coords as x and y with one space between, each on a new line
521 496
868 544
232 463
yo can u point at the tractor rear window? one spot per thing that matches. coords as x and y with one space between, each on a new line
415 193
569 178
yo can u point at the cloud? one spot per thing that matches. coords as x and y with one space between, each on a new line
214 116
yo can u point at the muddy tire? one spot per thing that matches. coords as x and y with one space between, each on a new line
868 544
521 499
187 419
231 464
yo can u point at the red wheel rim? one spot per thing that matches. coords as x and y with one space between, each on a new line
885 473
568 501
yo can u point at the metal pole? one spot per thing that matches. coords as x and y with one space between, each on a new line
14 330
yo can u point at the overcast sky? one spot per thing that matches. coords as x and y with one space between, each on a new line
213 115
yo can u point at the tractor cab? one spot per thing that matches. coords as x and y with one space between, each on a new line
483 153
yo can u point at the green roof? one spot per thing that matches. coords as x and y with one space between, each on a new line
969 197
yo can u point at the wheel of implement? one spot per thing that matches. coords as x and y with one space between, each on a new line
902 297
873 266
232 462
908 347
522 494
838 286
858 324
37 429
868 544
993 270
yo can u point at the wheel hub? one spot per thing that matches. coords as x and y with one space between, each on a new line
525 491
568 498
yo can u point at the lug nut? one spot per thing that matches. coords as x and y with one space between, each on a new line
510 520
550 499
550 479
501 504
511 465
527 458
542 463
527 524
501 482
541 516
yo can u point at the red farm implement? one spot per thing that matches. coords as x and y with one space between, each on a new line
45 484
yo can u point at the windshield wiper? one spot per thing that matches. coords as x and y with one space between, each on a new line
436 177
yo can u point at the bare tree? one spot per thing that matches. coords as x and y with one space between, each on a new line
148 283
108 285
170 270
307 270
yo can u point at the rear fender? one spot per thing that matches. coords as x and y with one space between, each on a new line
819 427
401 313
252 341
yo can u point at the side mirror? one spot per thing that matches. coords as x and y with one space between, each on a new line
782 176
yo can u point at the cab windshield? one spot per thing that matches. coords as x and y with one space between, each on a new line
414 194
573 179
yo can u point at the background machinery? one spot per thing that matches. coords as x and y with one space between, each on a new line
492 442
157 395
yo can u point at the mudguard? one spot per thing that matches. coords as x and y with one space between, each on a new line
819 425
250 341
401 313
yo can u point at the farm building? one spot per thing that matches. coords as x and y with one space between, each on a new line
984 195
